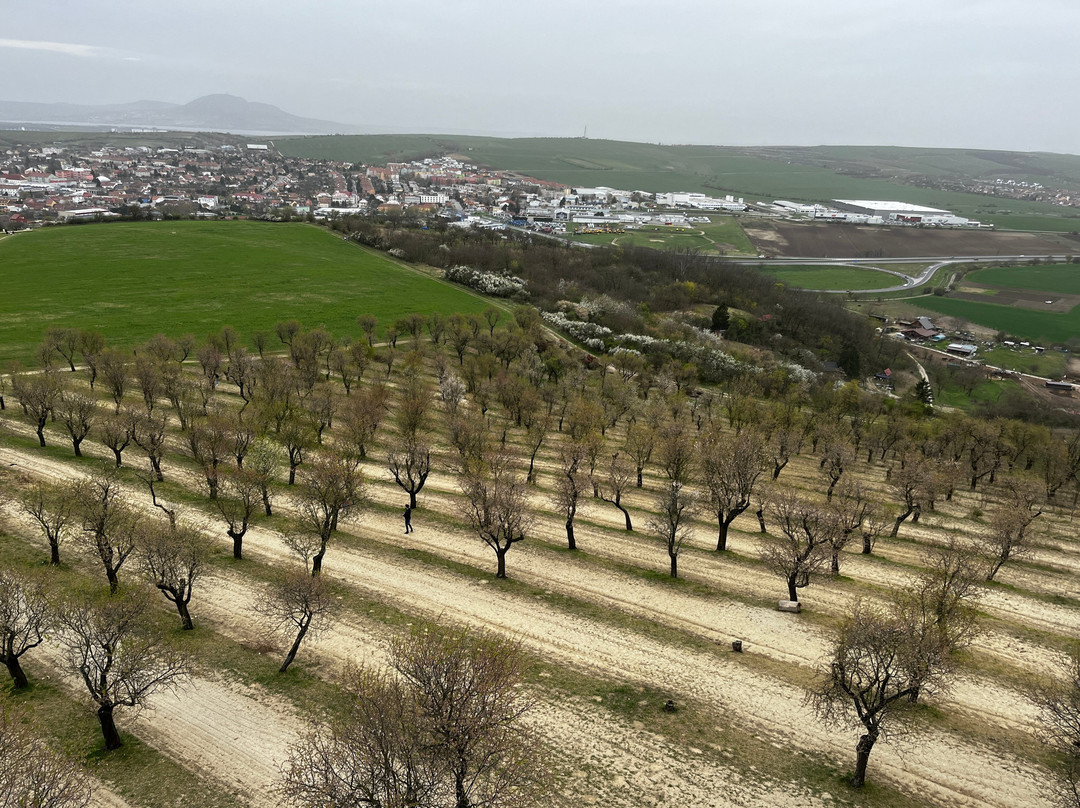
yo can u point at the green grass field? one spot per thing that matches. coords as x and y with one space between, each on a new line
1062 278
825 277
1036 325
723 234
133 280
1050 363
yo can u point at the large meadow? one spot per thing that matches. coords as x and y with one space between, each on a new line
610 635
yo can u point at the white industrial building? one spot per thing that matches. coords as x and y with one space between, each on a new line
684 199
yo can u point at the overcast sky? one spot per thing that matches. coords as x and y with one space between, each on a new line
964 73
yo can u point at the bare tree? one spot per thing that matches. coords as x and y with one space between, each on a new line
569 484
1006 535
237 501
330 488
670 521
77 413
1059 713
116 432
803 548
640 440
496 503
443 729
871 677
64 341
25 619
467 687
851 507
265 464
360 418
114 370
174 557
676 450
38 394
299 603
731 466
108 523
52 506
409 462
32 775
112 647
148 432
615 481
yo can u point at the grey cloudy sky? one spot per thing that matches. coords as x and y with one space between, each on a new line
964 73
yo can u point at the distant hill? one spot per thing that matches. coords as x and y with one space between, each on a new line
932 177
217 113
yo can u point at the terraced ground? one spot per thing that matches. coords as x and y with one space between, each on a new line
611 635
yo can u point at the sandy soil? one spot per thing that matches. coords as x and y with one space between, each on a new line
955 771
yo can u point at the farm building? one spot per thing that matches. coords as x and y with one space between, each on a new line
961 349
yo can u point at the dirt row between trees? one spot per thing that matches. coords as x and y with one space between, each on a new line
960 773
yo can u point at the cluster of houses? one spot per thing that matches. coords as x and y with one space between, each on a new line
60 182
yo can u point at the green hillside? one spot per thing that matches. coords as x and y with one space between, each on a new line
133 280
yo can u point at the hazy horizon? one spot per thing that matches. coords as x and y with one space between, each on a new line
972 74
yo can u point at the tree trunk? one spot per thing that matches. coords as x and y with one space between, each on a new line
76 444
118 453
292 474
108 728
674 564
316 563
862 757
185 615
500 571
867 548
155 464
295 647
721 536
625 513
54 551
760 513
570 534
266 502
114 582
412 501
18 676
41 433
639 470
237 544
899 521
792 590
836 562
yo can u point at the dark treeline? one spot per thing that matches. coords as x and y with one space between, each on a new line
767 313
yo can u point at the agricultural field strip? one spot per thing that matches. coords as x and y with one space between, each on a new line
771 703
207 720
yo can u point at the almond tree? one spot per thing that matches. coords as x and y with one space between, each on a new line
570 482
300 603
112 647
1059 714
871 676
174 557
410 464
496 503
52 506
38 394
803 547
33 775
616 481
116 432
1006 535
330 488
443 728
108 523
77 413
238 499
670 521
25 619
731 466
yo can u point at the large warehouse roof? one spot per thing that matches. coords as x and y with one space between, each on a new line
890 207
